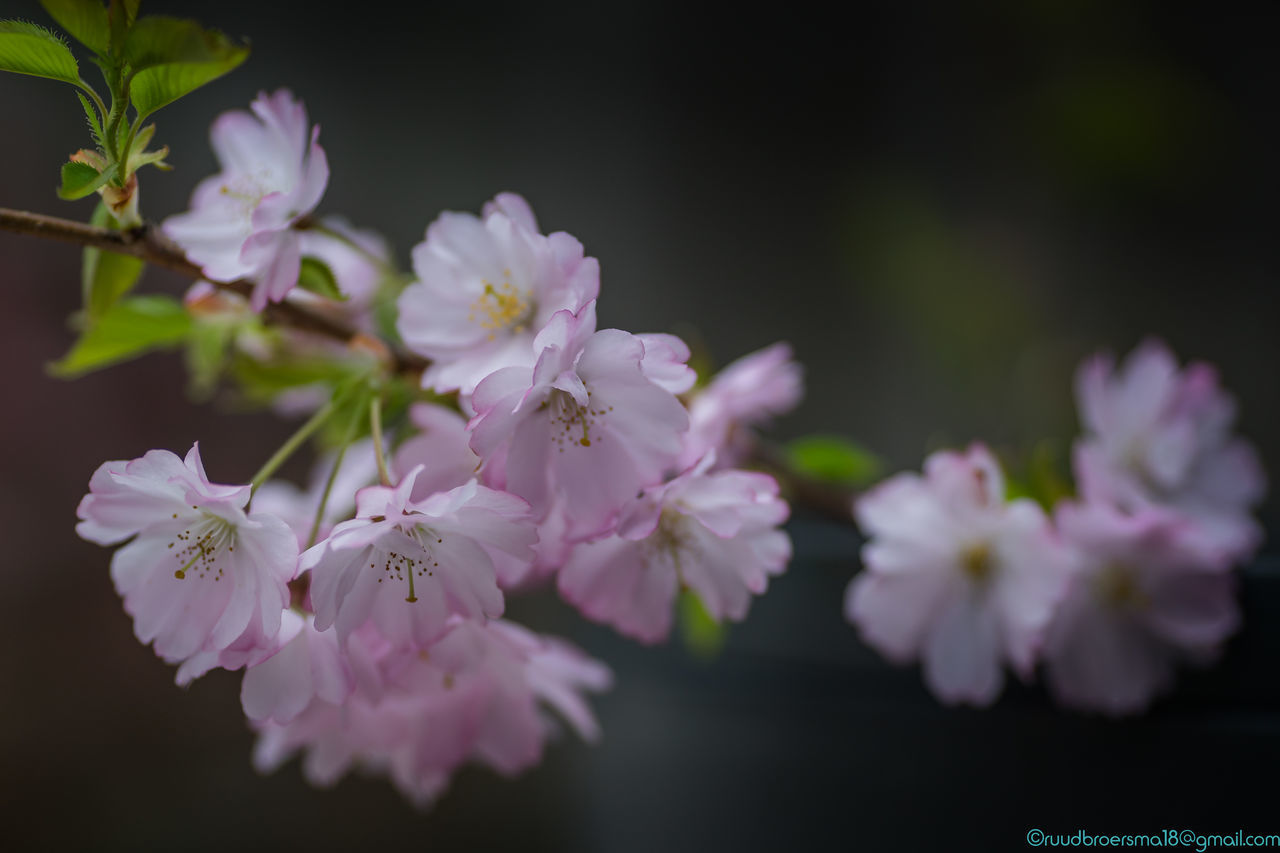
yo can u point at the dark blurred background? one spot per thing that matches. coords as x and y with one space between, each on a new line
942 206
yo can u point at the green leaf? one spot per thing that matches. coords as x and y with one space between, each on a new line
207 350
105 277
171 57
28 49
703 636
86 20
95 123
316 277
128 329
81 179
834 460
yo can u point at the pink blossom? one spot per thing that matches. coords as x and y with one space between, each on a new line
307 665
485 288
201 577
408 565
716 534
240 225
358 271
440 446
955 575
474 695
585 424
1138 604
1157 436
748 392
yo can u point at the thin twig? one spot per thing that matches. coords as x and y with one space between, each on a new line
149 243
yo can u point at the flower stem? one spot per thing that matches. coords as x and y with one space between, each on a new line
333 475
375 425
296 440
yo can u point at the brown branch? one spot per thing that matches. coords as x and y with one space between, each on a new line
148 243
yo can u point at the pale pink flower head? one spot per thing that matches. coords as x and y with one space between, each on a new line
1138 604
486 287
956 576
440 446
240 225
716 534
408 565
585 424
746 393
474 695
306 665
201 576
1157 436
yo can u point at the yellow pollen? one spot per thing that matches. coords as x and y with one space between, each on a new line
976 563
501 307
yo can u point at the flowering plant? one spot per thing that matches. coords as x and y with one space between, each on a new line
478 435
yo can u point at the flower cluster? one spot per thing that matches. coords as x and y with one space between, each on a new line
366 611
1124 582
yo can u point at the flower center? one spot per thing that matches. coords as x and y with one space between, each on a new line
401 567
671 539
501 307
572 423
1117 585
249 190
198 548
976 562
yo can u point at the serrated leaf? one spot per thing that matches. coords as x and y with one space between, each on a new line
128 329
834 459
105 277
703 636
86 20
28 49
316 277
171 57
81 179
95 123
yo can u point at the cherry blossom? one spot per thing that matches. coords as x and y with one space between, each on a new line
1157 436
485 288
715 534
200 576
240 225
1138 603
408 565
955 575
746 393
585 423
473 695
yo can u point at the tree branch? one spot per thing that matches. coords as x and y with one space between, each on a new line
148 243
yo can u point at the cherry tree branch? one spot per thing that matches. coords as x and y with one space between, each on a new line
149 244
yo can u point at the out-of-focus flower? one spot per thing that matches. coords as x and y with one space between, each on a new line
955 575
1157 436
240 225
746 393
585 424
1138 603
472 696
408 565
716 534
357 257
486 288
440 446
201 577
309 665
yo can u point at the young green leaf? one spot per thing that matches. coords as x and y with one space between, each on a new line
171 57
128 329
29 49
834 460
105 277
81 179
86 20
703 636
316 277
206 355
95 123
